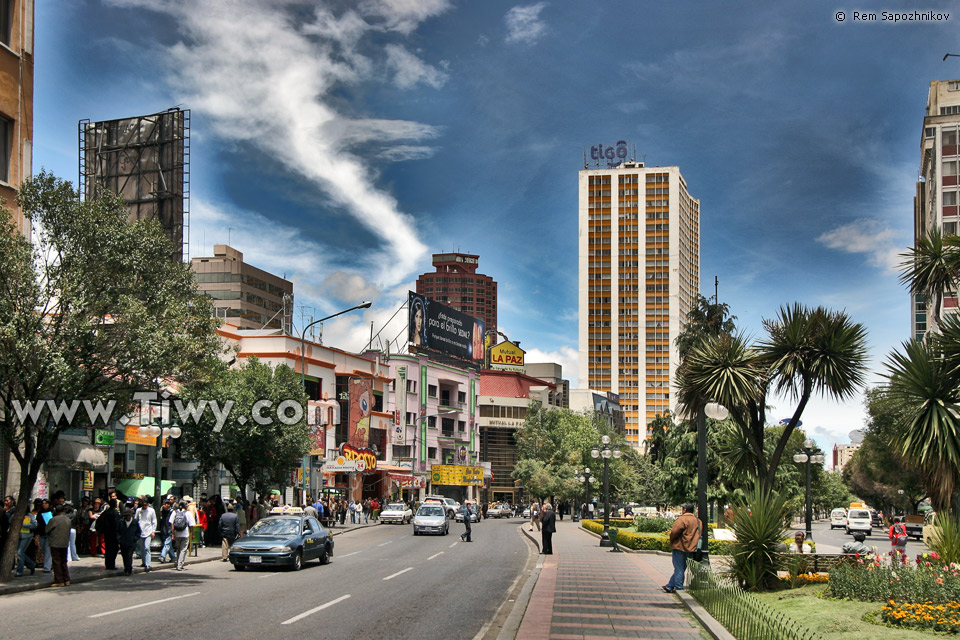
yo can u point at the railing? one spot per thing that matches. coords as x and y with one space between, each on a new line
741 613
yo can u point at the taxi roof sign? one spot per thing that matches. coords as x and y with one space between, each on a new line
286 511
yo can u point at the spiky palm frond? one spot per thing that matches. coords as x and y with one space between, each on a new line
724 369
931 267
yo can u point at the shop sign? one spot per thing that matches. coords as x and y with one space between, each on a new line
340 465
366 459
104 437
457 475
127 475
506 356
132 436
88 480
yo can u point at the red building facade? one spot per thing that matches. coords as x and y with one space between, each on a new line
457 284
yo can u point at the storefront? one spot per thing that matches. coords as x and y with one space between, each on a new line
69 467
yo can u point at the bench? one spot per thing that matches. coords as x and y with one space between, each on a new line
815 562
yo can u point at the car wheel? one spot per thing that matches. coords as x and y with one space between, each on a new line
847 531
325 555
238 567
298 560
415 532
446 530
869 533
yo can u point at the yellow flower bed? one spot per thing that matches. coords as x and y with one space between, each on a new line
808 578
938 617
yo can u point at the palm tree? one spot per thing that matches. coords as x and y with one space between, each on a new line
931 267
806 351
925 379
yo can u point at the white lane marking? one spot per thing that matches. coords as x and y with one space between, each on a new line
385 543
145 604
391 577
269 575
315 609
453 545
435 555
352 553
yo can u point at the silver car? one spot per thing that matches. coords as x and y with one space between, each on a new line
431 518
396 512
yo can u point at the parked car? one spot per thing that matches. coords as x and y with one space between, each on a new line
396 512
914 525
283 540
859 520
499 510
526 513
838 518
431 518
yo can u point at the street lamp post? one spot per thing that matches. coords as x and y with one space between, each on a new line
715 411
585 479
809 455
307 460
605 452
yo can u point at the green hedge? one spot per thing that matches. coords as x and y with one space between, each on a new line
652 541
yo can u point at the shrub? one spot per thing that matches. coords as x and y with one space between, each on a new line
945 540
760 524
653 525
880 579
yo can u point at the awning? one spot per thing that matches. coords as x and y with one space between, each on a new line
79 456
147 486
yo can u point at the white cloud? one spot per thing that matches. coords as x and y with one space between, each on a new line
524 25
567 357
263 78
825 421
409 70
403 152
881 245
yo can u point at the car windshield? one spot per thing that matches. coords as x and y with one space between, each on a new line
395 507
276 527
430 510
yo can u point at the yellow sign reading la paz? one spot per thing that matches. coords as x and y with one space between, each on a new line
506 356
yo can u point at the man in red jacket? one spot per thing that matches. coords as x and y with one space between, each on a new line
683 541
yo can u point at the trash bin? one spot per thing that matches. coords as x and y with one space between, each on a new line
196 539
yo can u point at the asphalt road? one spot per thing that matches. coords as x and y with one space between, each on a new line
837 538
383 583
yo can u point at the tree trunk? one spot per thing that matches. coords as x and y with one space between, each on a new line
8 557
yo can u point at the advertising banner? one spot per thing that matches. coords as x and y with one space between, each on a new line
400 419
506 356
88 480
104 437
364 459
361 405
436 327
340 465
318 427
456 475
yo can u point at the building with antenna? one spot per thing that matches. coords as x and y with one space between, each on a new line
457 284
639 266
244 295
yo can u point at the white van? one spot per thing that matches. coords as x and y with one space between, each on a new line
859 520
838 518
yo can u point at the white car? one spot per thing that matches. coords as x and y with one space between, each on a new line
396 512
431 518
449 505
838 519
859 520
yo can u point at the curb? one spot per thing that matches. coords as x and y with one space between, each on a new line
103 574
511 625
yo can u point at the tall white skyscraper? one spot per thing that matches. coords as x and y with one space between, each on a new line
639 265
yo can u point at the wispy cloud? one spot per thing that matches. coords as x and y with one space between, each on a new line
524 25
264 77
409 70
881 245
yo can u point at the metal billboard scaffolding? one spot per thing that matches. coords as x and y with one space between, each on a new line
146 161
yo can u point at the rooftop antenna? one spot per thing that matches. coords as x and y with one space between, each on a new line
585 165
716 286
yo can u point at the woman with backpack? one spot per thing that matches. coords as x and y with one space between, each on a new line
898 537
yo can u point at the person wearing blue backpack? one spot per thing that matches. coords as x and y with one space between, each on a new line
181 521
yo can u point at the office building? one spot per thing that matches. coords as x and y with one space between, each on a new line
937 203
639 266
16 103
244 295
457 284
842 454
606 405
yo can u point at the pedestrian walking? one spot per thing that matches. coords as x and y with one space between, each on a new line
534 516
27 528
147 520
683 542
898 538
181 521
466 511
107 525
71 515
549 521
128 537
229 531
58 535
165 531
96 540
44 513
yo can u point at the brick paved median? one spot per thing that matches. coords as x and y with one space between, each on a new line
586 592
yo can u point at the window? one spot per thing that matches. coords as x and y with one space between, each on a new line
432 453
950 197
6 135
432 422
6 21
953 85
950 111
950 168
949 137
949 228
432 390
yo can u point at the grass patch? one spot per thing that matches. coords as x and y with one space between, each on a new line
835 619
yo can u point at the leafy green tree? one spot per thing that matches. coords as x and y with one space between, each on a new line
95 310
932 267
830 491
805 351
256 444
707 319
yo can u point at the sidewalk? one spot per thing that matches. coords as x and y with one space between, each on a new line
89 568
584 592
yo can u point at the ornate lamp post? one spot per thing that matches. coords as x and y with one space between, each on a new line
605 452
810 454
585 479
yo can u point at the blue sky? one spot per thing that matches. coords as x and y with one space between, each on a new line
341 143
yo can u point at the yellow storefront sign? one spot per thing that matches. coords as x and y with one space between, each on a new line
456 475
506 356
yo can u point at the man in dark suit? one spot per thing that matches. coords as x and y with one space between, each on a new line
229 531
548 526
